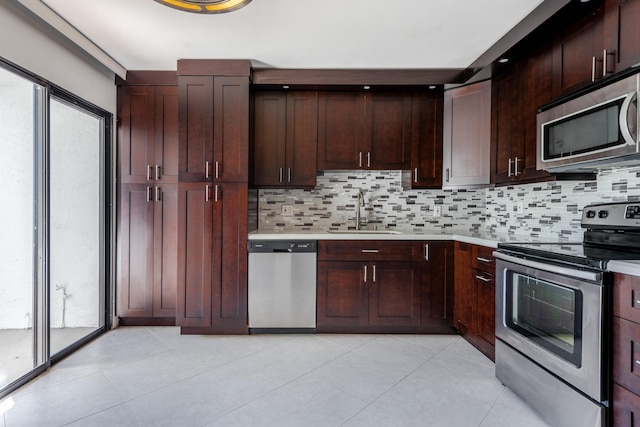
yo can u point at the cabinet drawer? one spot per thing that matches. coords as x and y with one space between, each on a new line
626 408
484 261
626 354
369 250
626 297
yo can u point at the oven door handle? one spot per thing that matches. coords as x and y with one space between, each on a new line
571 272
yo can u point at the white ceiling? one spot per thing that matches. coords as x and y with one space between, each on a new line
315 34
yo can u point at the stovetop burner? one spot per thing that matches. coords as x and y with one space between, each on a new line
612 233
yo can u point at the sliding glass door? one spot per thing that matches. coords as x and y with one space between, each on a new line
54 224
76 222
18 222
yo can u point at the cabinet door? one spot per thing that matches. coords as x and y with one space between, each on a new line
626 354
486 292
231 129
342 296
394 293
464 290
426 140
626 407
467 135
229 290
136 129
622 33
388 126
165 250
578 50
270 125
195 250
341 130
302 139
437 286
166 135
507 130
196 128
535 78
135 267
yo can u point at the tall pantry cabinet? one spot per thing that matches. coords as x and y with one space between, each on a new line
148 198
212 196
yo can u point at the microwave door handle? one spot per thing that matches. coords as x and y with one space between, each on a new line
624 119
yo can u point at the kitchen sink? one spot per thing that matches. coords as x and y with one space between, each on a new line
364 232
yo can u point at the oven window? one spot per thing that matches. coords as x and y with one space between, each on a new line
546 313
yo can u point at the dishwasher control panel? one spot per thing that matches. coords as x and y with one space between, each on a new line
283 246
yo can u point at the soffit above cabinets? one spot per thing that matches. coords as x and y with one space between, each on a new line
295 34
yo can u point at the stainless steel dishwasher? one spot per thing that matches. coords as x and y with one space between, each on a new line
282 286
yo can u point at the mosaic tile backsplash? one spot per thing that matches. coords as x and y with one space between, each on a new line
548 210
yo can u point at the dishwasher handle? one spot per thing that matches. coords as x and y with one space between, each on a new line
282 246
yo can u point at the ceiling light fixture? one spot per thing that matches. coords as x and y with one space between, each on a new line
205 6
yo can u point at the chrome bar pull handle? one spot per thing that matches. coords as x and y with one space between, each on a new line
148 172
484 260
426 252
157 172
288 174
593 69
370 251
415 175
280 175
484 279
206 170
360 159
148 194
374 273
215 193
515 162
365 274
509 171
448 174
368 159
157 193
206 193
217 170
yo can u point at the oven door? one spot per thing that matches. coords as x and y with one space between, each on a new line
553 315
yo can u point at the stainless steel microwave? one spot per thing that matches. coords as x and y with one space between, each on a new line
595 130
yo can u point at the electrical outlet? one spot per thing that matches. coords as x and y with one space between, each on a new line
520 207
437 210
287 210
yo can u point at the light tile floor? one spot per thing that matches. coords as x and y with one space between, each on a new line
141 376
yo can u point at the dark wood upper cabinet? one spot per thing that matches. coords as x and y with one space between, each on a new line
148 134
214 128
578 51
426 141
364 130
622 33
517 92
285 139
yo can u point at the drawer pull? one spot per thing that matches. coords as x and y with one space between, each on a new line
638 362
370 251
485 260
484 279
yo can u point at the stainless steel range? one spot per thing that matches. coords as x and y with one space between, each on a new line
553 316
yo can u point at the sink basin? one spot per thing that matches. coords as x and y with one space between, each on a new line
364 232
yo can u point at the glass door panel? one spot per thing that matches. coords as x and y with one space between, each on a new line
17 224
76 237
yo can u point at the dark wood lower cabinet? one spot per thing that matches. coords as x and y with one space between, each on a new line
475 296
212 261
148 254
626 351
385 287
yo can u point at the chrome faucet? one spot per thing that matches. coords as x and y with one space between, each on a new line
360 205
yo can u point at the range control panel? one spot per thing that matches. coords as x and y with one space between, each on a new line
611 216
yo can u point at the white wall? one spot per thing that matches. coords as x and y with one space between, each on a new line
31 44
